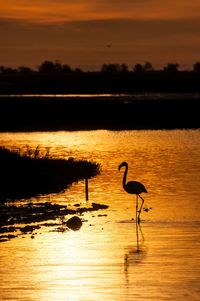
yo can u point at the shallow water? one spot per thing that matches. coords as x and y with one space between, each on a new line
101 260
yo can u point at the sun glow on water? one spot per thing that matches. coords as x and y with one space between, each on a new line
101 259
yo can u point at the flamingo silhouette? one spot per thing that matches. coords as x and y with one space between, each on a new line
133 187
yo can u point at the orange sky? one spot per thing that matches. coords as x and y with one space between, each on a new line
77 32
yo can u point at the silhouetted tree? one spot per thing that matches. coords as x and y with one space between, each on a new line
138 68
24 70
7 71
143 68
2 69
58 66
47 67
196 67
66 68
114 68
148 66
171 68
78 70
124 68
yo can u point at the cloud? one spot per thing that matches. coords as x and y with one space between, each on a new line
48 11
77 32
95 31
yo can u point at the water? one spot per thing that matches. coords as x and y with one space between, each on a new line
123 96
101 261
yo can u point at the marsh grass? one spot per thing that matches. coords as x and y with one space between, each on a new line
31 173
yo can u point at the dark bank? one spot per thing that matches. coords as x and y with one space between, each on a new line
30 174
88 113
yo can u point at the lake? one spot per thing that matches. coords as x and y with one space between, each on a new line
102 260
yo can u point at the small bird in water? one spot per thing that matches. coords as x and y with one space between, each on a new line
133 187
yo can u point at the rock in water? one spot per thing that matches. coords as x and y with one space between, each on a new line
74 223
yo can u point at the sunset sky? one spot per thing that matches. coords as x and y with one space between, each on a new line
78 32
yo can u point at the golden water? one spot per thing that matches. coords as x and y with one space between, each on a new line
101 261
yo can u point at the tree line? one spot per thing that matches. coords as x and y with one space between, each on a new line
57 78
51 67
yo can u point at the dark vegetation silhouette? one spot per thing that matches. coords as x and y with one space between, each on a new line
122 112
55 77
31 173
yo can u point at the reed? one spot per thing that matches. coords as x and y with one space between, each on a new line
31 173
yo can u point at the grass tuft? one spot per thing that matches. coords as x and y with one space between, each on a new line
32 173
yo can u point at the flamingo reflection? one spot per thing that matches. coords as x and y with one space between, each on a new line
134 255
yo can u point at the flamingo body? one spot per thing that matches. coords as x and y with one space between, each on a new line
134 187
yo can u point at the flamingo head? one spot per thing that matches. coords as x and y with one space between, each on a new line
125 164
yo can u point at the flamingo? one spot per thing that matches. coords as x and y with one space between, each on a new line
133 187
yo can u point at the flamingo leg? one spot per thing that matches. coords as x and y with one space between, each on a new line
137 221
136 211
139 211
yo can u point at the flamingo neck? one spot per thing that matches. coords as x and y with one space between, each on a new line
124 177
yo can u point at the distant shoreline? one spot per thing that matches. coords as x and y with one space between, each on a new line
90 113
53 77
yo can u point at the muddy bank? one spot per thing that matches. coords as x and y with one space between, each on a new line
28 219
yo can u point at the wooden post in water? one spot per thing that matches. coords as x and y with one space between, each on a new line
86 189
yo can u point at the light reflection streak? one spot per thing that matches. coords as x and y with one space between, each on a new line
83 266
124 96
62 95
